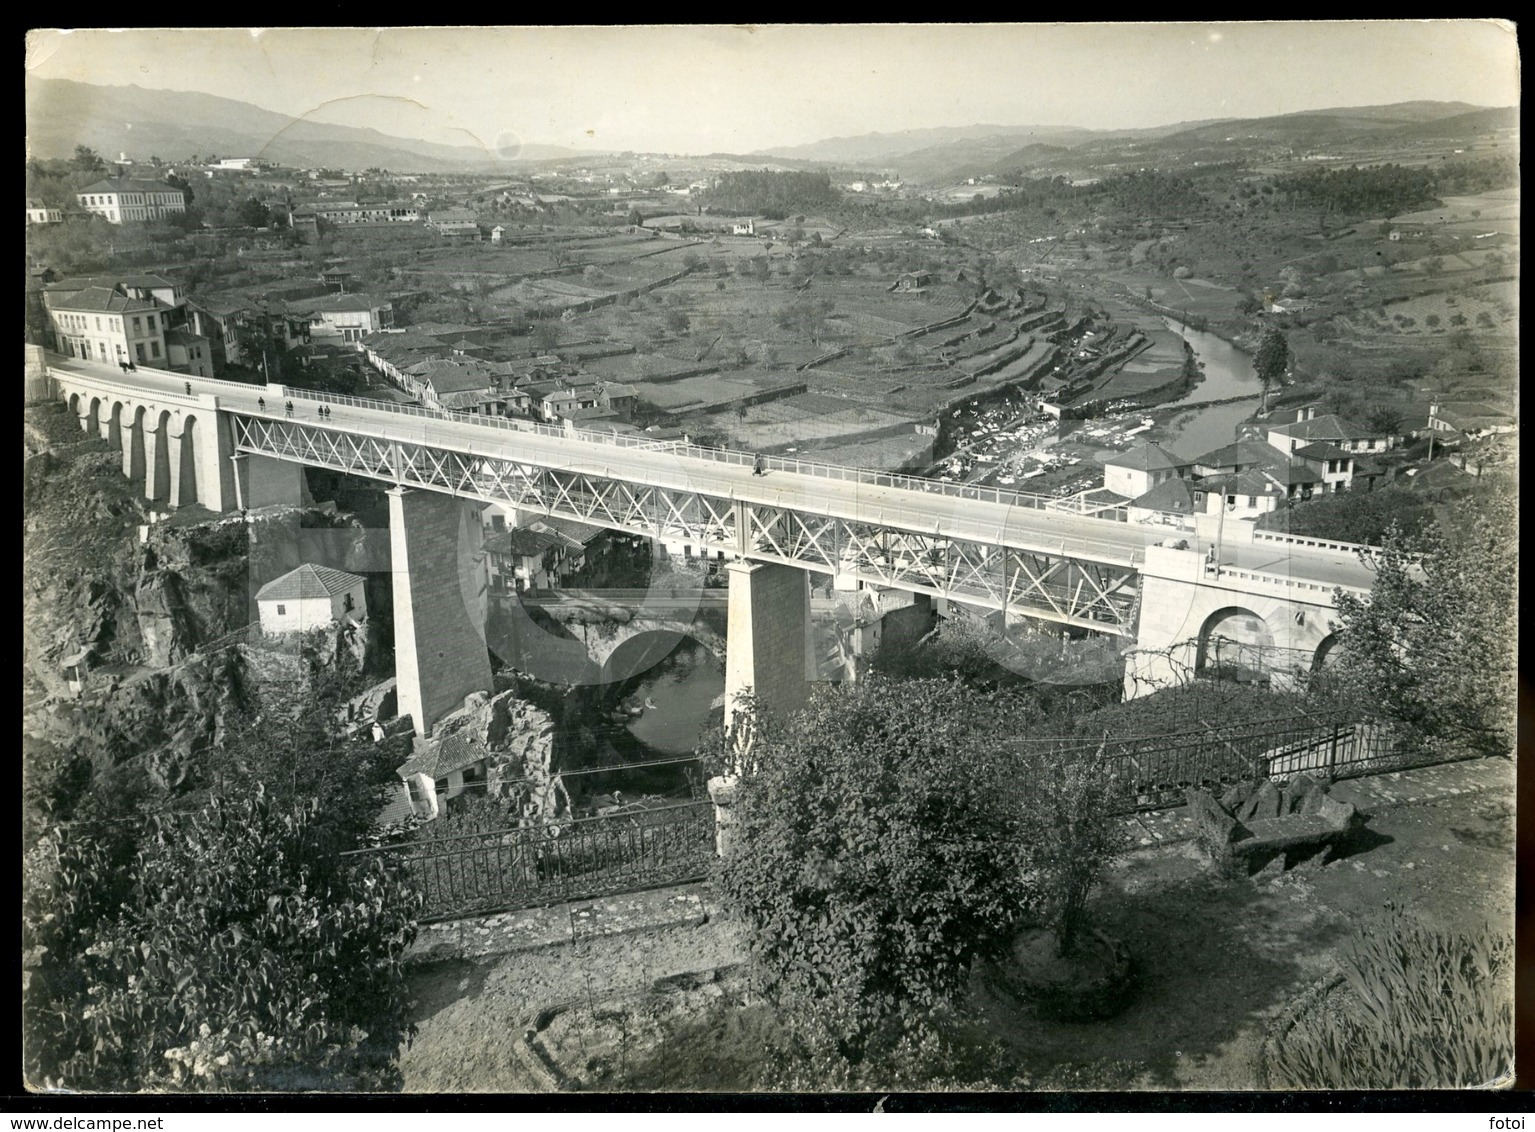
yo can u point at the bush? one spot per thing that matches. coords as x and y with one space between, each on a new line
1425 1009
877 854
242 953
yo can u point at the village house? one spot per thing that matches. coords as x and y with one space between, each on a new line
437 772
461 384
349 318
534 557
305 224
350 212
1334 464
126 200
188 352
453 222
1135 472
1242 495
40 213
311 597
1454 421
1308 424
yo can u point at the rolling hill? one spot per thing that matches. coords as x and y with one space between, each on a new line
939 155
174 125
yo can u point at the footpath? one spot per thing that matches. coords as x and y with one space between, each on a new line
533 929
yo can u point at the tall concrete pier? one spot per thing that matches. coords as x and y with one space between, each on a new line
769 650
439 604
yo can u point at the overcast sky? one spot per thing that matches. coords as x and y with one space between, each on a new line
725 88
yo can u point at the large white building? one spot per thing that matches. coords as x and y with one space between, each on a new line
102 324
127 200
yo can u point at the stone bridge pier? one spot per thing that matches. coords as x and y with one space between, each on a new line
440 598
769 650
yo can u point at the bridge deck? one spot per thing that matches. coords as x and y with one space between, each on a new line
1015 522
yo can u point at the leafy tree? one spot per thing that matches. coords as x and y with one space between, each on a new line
805 318
1434 643
87 160
877 855
250 213
1273 357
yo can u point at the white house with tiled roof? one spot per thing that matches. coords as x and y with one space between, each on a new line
1134 473
130 200
310 597
1309 427
39 212
344 318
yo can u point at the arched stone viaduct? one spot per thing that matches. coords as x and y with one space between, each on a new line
175 446
1200 618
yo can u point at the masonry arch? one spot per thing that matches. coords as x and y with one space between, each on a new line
1234 644
74 408
114 426
157 457
641 652
133 448
185 490
1328 653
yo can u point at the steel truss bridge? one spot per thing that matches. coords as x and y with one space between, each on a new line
1003 552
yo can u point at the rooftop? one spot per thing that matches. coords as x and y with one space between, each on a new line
103 300
1145 457
308 581
1322 451
128 185
1169 495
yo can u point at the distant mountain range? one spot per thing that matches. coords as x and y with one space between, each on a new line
175 125
940 154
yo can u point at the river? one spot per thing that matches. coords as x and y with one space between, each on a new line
677 695
1228 373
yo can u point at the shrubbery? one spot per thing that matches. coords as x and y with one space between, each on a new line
885 841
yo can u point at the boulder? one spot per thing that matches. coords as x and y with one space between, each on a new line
1304 795
1235 795
1216 828
1265 802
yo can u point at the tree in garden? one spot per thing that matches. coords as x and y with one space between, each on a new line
1433 645
877 854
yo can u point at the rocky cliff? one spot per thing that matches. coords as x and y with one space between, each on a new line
104 577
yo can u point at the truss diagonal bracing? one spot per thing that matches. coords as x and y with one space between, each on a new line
1033 583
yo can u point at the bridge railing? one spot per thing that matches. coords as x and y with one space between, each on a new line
735 457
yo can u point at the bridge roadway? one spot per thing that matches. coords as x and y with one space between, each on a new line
1015 521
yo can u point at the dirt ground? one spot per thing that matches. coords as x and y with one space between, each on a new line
1217 961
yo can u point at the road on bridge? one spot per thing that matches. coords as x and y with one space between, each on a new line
1013 524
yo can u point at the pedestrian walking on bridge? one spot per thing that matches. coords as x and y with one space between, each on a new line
759 466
